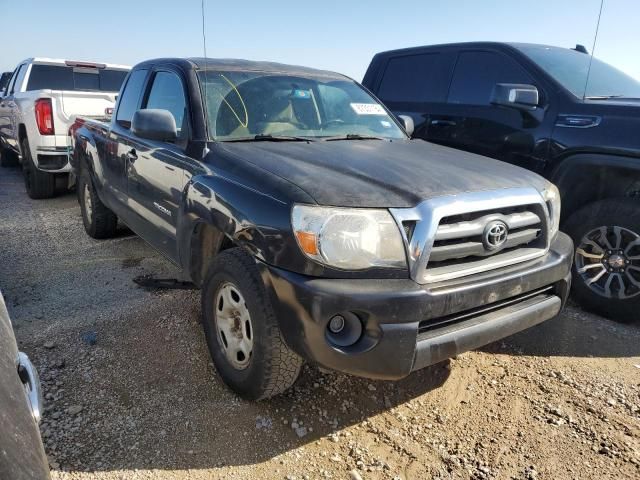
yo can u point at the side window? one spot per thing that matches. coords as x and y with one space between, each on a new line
20 78
415 78
12 82
476 74
167 93
130 98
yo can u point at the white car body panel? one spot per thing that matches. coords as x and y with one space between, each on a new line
18 108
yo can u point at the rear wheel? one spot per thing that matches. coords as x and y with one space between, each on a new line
99 221
8 158
606 271
242 332
38 184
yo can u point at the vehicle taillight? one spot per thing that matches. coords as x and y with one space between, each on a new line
44 116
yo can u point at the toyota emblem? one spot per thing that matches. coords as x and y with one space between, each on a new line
495 235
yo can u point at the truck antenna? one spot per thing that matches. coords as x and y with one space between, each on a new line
204 81
593 49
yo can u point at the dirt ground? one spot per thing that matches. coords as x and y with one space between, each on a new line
130 391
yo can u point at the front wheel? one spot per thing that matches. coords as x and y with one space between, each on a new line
242 332
606 270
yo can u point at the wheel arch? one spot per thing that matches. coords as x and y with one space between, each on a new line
205 242
591 177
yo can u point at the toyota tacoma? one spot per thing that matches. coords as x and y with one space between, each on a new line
315 227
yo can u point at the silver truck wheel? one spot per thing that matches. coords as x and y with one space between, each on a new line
606 267
608 261
233 325
242 331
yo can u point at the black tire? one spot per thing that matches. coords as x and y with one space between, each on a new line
39 184
272 367
621 217
99 222
8 158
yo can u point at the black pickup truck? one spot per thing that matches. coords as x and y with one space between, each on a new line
316 229
556 111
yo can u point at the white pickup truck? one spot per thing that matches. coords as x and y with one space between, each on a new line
40 103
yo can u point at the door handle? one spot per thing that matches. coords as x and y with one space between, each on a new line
131 155
443 123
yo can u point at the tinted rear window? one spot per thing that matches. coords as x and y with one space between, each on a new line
414 78
58 77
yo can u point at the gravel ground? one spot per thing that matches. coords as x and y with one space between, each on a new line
130 391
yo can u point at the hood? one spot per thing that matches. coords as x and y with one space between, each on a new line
375 173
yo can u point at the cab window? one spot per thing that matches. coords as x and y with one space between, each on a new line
130 98
476 73
12 82
167 93
22 72
415 78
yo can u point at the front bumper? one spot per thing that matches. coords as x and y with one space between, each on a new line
408 326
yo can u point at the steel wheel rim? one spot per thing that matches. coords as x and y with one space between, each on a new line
88 205
233 325
608 262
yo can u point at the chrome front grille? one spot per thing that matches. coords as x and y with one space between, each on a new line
460 235
461 238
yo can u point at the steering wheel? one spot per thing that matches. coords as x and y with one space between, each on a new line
335 121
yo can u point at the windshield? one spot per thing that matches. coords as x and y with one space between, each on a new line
249 104
570 68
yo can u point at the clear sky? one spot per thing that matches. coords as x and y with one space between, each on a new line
336 35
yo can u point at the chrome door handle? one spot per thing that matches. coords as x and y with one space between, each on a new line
443 123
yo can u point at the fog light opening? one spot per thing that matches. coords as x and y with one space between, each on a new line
344 329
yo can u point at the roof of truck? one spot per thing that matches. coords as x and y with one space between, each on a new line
511 45
61 61
229 64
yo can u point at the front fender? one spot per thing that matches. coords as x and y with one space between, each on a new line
248 218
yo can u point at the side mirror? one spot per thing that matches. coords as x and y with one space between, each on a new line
154 124
407 123
518 96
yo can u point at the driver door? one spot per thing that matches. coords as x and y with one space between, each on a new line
156 170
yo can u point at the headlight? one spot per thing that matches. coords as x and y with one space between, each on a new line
348 238
552 198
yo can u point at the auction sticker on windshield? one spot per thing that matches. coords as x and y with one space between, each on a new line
368 109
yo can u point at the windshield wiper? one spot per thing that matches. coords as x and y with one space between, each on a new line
352 136
270 138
